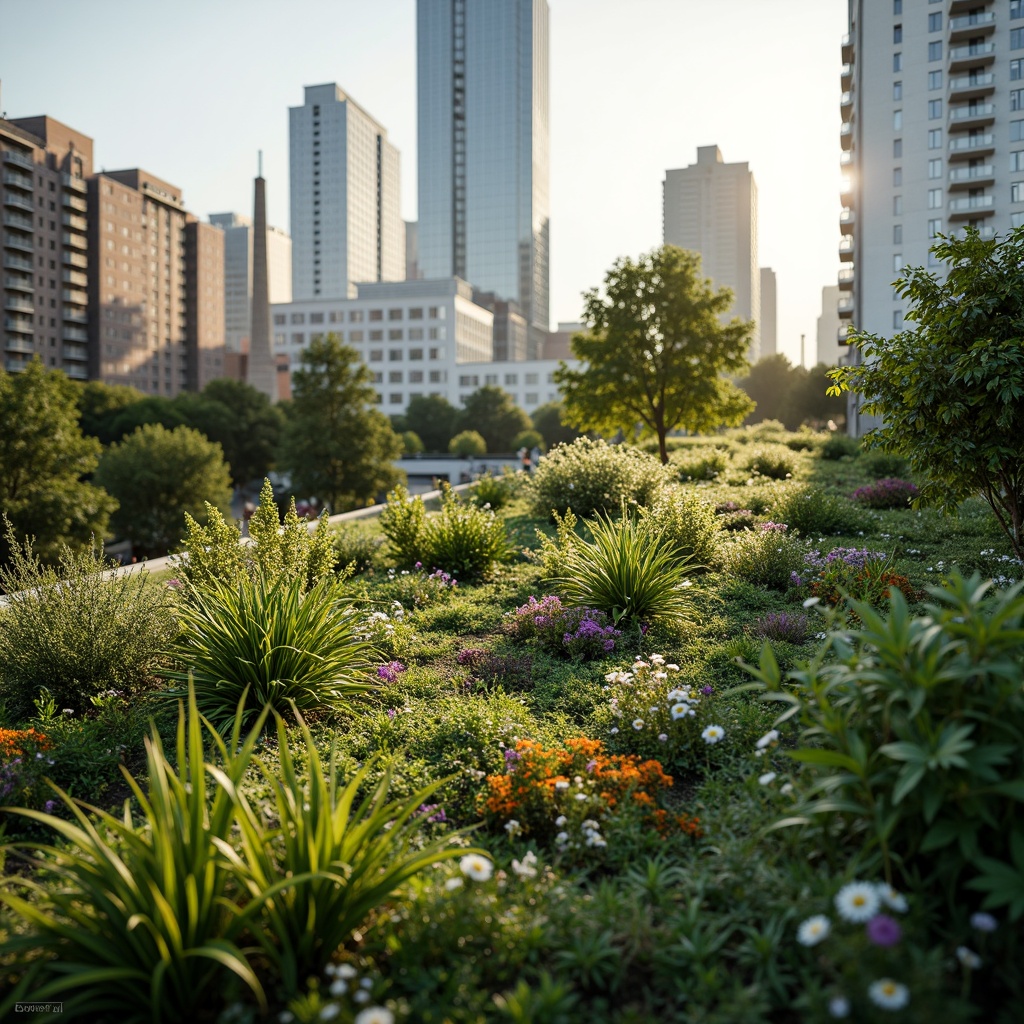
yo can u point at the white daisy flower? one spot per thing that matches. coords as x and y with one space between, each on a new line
452 884
560 820
527 867
677 694
888 994
891 898
562 838
768 738
657 659
813 930
338 987
638 724
968 958
712 734
375 1015
513 828
561 785
766 779
857 902
345 971
329 1012
476 867
671 668
680 711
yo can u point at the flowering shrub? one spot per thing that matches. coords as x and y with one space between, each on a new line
583 633
784 626
888 493
732 517
591 476
861 574
387 631
771 460
698 463
574 795
23 766
654 712
511 671
766 556
687 525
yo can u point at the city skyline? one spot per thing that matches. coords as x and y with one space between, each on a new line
635 91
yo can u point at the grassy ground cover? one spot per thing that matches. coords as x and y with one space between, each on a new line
622 780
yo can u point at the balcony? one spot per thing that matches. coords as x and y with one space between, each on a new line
846 278
23 242
18 202
971 177
971 26
845 159
975 115
846 77
19 324
74 334
985 233
22 181
972 206
846 136
19 345
74 316
844 334
17 220
846 249
73 183
971 55
20 284
71 220
967 87
844 307
972 145
73 202
75 241
847 219
13 262
847 49
19 304
846 194
846 105
74 259
77 297
75 277
966 6
12 156
76 372
77 352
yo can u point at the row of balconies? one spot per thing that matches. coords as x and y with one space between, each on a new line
11 156
973 86
12 344
18 202
20 324
79 353
15 180
19 304
971 55
72 220
23 242
75 277
74 334
21 284
14 262
16 220
74 259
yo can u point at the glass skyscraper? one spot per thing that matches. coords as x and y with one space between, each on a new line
482 76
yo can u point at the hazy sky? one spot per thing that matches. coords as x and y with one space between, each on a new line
191 89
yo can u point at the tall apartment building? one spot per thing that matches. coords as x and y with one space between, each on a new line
43 221
156 291
768 317
710 207
831 333
932 140
237 230
346 223
482 113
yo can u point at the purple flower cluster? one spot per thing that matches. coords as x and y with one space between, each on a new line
445 579
771 527
883 930
391 671
9 777
888 493
510 671
512 758
579 632
783 626
855 558
434 813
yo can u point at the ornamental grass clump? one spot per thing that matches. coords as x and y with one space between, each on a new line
886 494
591 477
628 572
270 642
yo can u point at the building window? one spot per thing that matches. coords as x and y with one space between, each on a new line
355 335
415 376
532 379
376 314
1017 192
935 199
897 206
395 334
897 62
897 120
935 168
935 50
897 148
394 314
1016 70
897 90
934 79
395 377
934 110
530 398
1016 9
438 376
416 313
1017 99
897 6
355 316
897 234
511 379
377 335
394 398
1017 160
1016 131
897 176
935 138
1016 220
298 318
935 22
1016 38
897 319
298 338
416 353
394 355
280 319
436 353
415 334
897 263
376 355
378 378
934 227
316 318
897 33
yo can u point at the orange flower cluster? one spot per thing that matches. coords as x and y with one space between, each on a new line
528 792
14 741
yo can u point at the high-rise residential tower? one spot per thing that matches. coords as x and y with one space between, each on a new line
768 317
710 207
237 230
44 208
482 112
346 223
932 141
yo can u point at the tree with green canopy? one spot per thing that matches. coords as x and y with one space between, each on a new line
656 356
494 415
432 419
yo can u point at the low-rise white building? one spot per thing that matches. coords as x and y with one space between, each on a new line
530 381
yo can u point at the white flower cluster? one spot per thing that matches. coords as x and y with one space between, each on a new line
590 834
343 981
527 867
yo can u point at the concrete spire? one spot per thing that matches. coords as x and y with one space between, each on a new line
262 366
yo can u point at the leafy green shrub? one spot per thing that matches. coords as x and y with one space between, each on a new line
402 520
355 549
467 442
766 557
591 476
493 491
72 631
911 734
809 510
698 463
805 440
688 525
411 443
774 461
528 439
274 643
462 539
838 446
628 572
216 552
879 464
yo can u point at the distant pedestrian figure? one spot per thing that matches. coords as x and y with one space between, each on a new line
524 459
535 455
